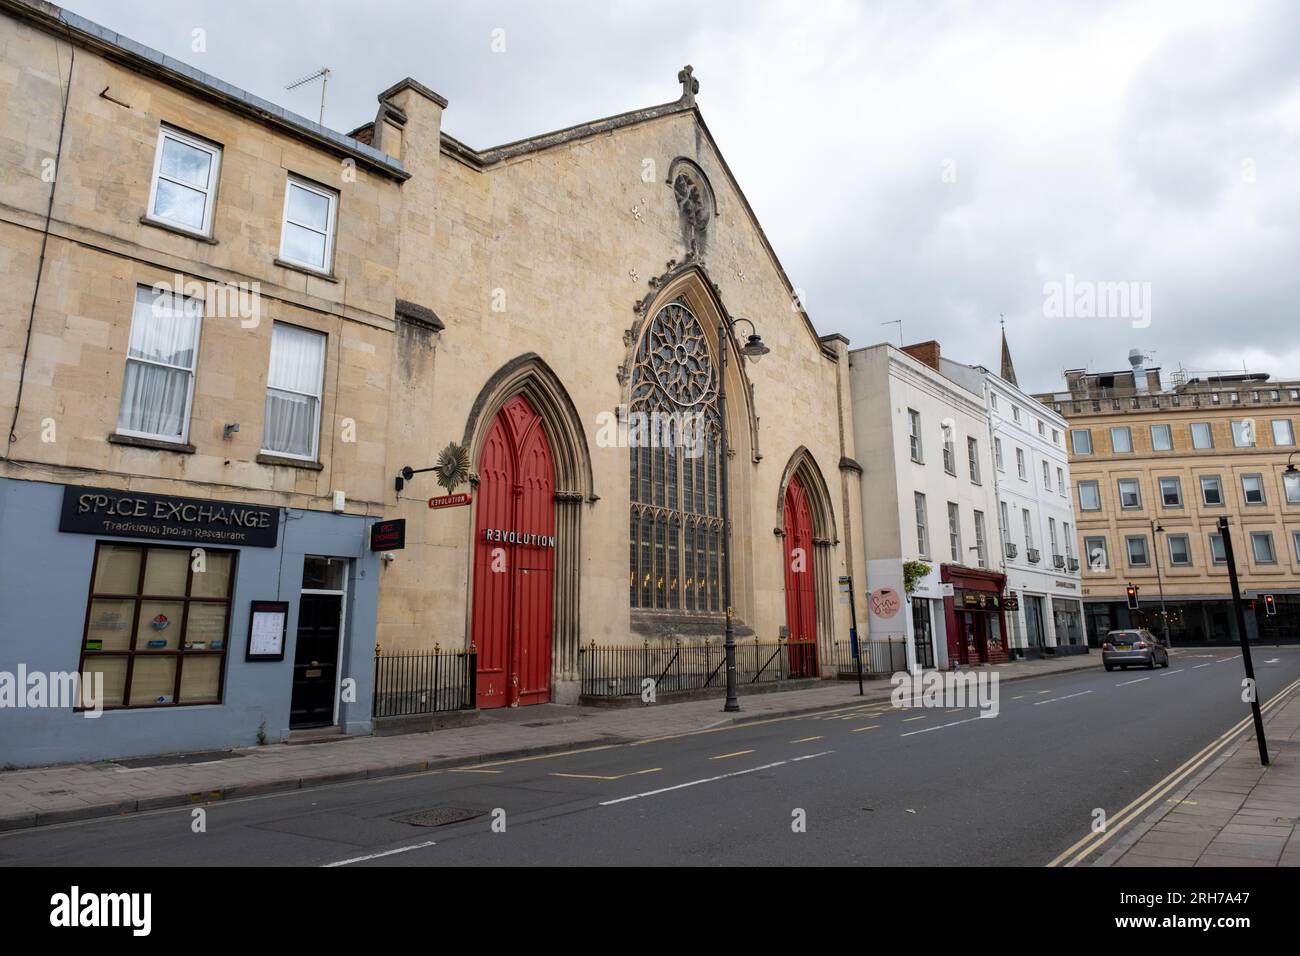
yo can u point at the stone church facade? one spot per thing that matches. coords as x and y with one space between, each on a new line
188 487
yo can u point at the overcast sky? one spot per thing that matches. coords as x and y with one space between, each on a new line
935 163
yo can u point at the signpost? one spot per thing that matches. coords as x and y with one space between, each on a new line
1245 644
846 587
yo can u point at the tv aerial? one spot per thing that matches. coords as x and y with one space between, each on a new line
323 74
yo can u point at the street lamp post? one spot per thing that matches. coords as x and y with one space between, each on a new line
755 349
1164 615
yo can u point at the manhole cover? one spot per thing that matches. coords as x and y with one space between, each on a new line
438 816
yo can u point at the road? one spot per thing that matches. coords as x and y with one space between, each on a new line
873 786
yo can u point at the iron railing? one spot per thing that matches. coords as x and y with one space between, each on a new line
623 670
880 657
425 683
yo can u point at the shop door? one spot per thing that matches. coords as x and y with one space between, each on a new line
1034 620
923 634
315 660
800 600
514 560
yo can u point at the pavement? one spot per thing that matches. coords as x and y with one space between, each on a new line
1234 812
59 794
859 782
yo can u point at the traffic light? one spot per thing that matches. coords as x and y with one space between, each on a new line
1270 605
1132 593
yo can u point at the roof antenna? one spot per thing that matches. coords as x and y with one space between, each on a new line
899 323
323 74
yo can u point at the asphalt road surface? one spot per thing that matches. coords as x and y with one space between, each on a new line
871 786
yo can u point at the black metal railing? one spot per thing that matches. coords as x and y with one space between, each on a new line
628 670
425 683
880 657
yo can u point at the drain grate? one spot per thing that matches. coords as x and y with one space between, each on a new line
438 816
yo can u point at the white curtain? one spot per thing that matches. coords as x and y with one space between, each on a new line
160 363
293 391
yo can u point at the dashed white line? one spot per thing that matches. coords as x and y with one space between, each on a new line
954 723
1052 700
1170 673
1138 681
693 783
375 856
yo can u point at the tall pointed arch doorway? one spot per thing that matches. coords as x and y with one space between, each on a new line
800 580
514 559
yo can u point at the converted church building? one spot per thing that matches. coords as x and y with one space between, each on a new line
238 344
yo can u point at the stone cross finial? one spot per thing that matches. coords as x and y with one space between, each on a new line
690 85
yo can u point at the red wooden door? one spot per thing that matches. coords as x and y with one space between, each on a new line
800 601
514 560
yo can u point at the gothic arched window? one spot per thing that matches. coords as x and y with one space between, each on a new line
674 442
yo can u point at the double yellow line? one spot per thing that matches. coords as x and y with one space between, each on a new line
1094 841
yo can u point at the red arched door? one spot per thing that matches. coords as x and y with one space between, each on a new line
800 600
514 560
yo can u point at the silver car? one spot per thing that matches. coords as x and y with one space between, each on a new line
1136 646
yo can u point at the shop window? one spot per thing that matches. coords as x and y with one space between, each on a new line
158 386
157 624
293 392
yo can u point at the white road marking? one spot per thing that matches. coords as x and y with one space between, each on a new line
1168 673
1052 700
693 783
1138 681
941 726
1273 660
375 856
810 756
1206 664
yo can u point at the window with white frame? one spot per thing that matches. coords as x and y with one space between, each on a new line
1081 441
954 532
293 392
1162 438
1283 433
1180 550
184 187
914 434
1047 476
1202 435
309 215
1015 413
1042 430
1252 489
1243 433
1261 545
973 459
922 532
1218 551
949 454
1121 440
1060 480
1137 550
981 543
1089 495
1029 527
1020 464
1291 485
1006 523
1130 497
1171 492
1211 491
1094 549
1051 535
158 387
1069 541
997 454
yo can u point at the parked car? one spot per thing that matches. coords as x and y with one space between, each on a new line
1136 647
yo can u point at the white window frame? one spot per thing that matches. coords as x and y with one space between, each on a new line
333 197
1218 483
1137 491
210 191
1245 495
1214 558
1178 490
319 396
1247 431
1086 435
1128 440
1209 435
914 436
1020 464
981 540
1187 549
1168 433
1290 431
1095 487
184 438
1257 536
1128 550
973 458
954 532
922 525
997 454
1060 480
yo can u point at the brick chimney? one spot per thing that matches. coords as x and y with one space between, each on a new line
925 352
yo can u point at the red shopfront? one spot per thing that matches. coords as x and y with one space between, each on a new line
975 623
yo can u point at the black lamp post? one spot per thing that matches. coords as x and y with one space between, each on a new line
754 349
1156 528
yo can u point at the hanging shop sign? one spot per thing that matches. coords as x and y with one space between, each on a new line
388 535
133 514
450 501
978 600
519 537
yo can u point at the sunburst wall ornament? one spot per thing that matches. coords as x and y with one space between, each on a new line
452 468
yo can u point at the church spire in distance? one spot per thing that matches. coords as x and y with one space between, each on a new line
1008 370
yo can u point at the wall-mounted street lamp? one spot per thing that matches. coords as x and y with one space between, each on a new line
1156 528
753 349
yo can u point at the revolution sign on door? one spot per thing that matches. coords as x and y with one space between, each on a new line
514 560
